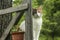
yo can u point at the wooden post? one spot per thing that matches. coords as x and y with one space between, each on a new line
5 19
28 22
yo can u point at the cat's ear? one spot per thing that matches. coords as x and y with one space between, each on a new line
39 9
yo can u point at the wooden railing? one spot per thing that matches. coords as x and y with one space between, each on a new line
25 7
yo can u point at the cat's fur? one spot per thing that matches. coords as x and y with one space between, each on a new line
37 23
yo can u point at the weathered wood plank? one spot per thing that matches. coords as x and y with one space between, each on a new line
10 26
28 21
18 18
14 9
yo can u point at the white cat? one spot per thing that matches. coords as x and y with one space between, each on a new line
37 23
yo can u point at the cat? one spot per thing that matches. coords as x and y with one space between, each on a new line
37 23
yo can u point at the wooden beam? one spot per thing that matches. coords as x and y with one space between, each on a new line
18 18
4 35
28 22
14 9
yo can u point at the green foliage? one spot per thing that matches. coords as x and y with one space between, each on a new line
52 16
36 3
17 2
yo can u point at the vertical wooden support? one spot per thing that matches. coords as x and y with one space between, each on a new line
5 19
28 22
0 19
7 4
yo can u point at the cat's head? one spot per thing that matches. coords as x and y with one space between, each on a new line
37 13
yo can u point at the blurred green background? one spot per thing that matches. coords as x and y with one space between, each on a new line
51 18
